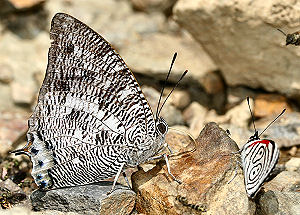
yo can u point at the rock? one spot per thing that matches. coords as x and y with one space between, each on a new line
102 17
194 116
24 4
29 57
238 116
240 135
27 25
270 104
213 83
21 94
86 199
6 102
235 95
27 211
276 202
178 139
11 194
13 125
169 112
293 165
153 5
5 73
229 32
285 131
180 99
204 173
160 48
285 181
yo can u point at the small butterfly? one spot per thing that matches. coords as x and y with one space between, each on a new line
293 38
259 157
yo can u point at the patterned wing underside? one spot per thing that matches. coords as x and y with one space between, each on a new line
259 157
90 110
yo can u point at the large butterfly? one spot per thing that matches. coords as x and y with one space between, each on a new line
92 119
259 157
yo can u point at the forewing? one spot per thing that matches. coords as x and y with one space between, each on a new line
90 110
259 157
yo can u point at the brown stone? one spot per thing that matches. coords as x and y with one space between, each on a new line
204 173
213 83
24 4
270 104
13 126
180 99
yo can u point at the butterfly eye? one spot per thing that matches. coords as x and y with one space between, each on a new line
162 128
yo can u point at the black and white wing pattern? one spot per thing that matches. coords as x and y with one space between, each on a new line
91 116
259 157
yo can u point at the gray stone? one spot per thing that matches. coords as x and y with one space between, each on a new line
279 203
285 131
239 134
242 39
87 199
102 17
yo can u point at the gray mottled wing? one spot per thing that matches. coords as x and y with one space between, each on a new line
90 110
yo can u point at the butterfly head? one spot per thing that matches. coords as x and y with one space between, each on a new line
254 137
161 127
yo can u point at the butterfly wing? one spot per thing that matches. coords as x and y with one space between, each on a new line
259 157
91 111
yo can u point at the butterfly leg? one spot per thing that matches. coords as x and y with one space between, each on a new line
235 171
169 170
169 148
116 178
126 179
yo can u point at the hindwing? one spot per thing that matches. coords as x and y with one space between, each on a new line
259 157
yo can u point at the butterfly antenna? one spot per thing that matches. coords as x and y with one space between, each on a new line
251 114
272 122
281 31
165 83
172 91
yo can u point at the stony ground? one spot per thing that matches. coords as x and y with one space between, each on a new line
231 49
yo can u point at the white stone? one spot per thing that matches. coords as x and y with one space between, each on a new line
293 164
242 39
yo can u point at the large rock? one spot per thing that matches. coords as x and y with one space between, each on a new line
204 171
152 55
87 199
241 39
